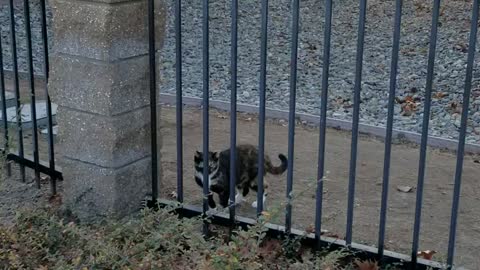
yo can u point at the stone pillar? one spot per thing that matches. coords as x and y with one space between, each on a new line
100 80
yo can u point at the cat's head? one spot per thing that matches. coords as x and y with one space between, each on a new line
212 161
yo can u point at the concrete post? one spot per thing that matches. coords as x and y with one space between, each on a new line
99 79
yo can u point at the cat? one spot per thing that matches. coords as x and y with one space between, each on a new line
246 173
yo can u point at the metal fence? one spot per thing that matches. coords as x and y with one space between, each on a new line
14 119
316 239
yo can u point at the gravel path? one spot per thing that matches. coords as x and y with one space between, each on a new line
450 61
449 70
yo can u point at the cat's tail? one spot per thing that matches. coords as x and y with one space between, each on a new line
277 170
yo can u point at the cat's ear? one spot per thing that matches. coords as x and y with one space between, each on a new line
198 156
215 156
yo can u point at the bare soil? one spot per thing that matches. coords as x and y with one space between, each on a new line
401 206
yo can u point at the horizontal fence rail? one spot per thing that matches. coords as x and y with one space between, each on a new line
316 239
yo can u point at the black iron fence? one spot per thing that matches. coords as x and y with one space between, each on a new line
24 118
316 238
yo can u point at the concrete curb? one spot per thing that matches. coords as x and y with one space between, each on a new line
435 142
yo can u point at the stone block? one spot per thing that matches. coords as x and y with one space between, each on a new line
104 141
107 88
104 30
94 192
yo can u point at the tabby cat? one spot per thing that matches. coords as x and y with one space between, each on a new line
246 178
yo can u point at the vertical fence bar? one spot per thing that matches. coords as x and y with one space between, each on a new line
153 97
426 118
51 154
356 118
233 110
261 121
463 131
4 103
31 81
323 122
179 107
388 136
291 114
43 12
18 106
206 77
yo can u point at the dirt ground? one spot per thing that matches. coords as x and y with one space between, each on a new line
437 196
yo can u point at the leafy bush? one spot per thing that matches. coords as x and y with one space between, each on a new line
42 239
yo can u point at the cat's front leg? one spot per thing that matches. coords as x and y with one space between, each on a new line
255 204
211 205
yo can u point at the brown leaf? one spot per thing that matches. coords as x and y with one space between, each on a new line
408 108
455 107
332 235
426 254
461 47
367 265
173 194
55 199
409 99
405 189
222 116
310 228
439 95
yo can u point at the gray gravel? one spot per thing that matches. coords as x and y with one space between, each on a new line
20 31
449 70
450 61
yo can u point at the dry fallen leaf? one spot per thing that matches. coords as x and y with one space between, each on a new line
440 95
408 99
173 195
405 189
461 47
367 265
331 235
454 107
426 254
408 108
310 228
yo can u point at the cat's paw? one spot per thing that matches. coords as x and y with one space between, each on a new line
212 211
254 204
239 201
